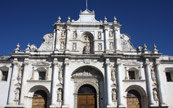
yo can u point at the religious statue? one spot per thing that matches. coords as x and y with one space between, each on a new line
62 33
74 35
99 46
114 95
99 35
155 94
59 94
62 45
17 94
60 75
111 46
87 46
110 34
113 76
153 77
74 46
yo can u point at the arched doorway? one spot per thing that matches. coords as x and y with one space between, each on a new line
39 99
133 99
86 97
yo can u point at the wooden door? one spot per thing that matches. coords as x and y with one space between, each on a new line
132 101
86 100
38 101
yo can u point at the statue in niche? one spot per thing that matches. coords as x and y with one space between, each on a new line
110 34
17 91
111 45
113 76
114 95
99 46
155 94
63 34
87 46
74 46
62 45
59 94
60 75
99 35
74 35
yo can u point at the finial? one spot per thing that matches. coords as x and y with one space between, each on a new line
105 20
17 48
155 50
59 19
68 19
28 46
115 19
145 48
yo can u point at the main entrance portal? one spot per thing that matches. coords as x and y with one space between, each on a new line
87 97
39 99
133 99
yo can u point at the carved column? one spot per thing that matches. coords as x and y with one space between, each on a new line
106 42
108 80
160 86
54 82
66 100
67 46
119 83
14 74
57 36
24 80
148 80
117 42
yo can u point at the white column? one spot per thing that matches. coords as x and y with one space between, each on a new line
106 42
54 82
117 42
13 82
24 80
119 83
108 80
67 46
57 36
66 83
148 80
160 86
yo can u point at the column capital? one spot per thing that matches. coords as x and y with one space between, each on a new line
107 61
66 62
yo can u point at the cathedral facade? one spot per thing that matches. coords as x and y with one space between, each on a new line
86 64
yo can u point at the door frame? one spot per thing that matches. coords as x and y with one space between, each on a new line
86 82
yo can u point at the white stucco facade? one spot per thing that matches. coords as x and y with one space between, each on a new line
86 52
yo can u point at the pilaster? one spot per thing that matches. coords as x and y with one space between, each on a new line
24 80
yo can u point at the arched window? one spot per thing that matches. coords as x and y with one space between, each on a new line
42 73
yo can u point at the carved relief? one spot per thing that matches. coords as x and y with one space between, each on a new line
100 46
47 45
126 44
99 35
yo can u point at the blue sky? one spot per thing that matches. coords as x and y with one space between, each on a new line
145 21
